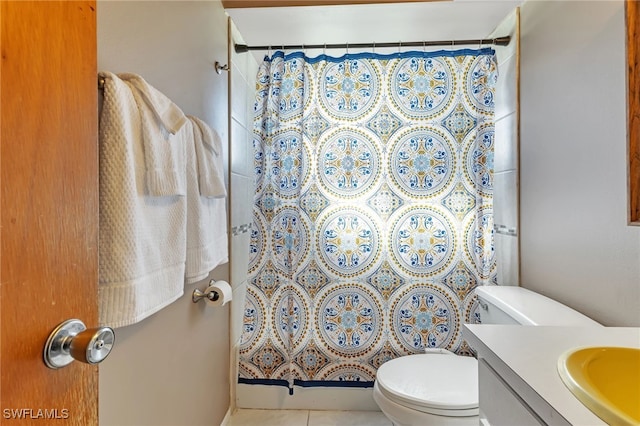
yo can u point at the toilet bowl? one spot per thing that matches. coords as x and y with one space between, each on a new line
442 389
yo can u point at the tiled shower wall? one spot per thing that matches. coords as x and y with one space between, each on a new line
243 68
506 158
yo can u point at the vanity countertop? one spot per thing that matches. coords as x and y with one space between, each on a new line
529 354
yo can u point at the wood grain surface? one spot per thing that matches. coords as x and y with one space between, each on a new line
49 205
633 102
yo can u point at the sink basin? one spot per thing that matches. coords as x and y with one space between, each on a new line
606 380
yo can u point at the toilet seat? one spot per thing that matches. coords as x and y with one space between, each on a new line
444 385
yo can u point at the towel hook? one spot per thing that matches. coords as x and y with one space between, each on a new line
219 67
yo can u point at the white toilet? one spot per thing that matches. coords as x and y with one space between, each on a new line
442 388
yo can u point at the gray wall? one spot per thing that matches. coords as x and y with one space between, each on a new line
173 367
576 246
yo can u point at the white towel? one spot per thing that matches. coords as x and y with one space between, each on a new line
210 161
161 121
207 241
142 248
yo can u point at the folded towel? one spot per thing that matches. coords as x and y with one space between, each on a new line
207 241
163 148
210 161
142 247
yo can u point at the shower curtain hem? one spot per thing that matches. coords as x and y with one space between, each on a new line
307 383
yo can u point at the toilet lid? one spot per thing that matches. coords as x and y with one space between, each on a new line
442 382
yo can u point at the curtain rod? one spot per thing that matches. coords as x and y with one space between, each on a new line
499 41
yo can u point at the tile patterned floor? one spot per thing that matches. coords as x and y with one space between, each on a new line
247 417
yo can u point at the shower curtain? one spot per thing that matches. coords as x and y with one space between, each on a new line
372 212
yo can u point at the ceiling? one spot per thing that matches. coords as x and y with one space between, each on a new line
368 23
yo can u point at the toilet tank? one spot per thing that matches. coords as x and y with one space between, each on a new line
517 305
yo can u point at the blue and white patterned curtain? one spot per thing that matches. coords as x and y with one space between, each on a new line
373 214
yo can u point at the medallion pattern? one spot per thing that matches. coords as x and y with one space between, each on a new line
349 162
287 164
372 211
424 316
481 81
422 241
283 85
479 161
349 320
422 162
347 242
349 89
422 87
291 93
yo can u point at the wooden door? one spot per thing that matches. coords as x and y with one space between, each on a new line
48 205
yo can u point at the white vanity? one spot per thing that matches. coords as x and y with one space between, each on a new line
518 377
